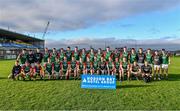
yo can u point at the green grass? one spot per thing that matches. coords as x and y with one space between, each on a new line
49 95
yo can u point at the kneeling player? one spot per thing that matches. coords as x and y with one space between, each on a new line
27 71
38 71
15 71
146 72
135 70
124 69
48 68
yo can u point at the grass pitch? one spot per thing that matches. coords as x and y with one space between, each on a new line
62 94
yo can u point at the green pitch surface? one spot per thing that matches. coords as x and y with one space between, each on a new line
26 95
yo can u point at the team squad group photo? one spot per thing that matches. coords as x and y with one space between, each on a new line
67 64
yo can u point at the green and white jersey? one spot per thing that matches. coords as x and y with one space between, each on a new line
149 58
76 55
108 54
110 65
124 65
99 57
61 57
83 56
23 58
88 65
95 65
81 66
45 57
65 65
117 64
27 68
125 54
73 65
48 67
91 57
133 57
69 56
53 57
165 59
57 66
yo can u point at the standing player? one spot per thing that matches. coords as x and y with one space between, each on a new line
125 54
31 58
149 57
38 56
132 56
56 69
146 72
22 57
76 54
124 69
99 55
46 56
48 68
68 54
107 53
62 55
116 54
165 62
53 56
140 58
135 70
83 55
91 55
157 65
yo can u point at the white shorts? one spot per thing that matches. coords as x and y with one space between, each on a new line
164 66
157 66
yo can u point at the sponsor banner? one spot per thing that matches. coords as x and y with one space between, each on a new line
98 81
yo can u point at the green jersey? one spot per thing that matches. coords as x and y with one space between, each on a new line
49 67
73 65
83 56
125 54
57 66
53 57
91 57
165 59
124 65
65 65
117 64
99 57
110 65
81 66
62 55
108 54
133 57
76 56
27 69
46 56
88 65
69 56
23 58
95 65
149 58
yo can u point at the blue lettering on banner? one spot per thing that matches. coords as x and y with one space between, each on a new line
98 81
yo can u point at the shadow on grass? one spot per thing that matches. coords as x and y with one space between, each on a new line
174 77
3 78
131 86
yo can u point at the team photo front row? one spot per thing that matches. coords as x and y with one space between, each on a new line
68 64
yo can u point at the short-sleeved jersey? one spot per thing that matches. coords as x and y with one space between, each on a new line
91 57
133 57
61 56
53 57
157 60
30 58
57 66
16 69
165 59
117 65
125 55
108 54
99 57
45 57
102 65
140 58
64 65
23 58
110 65
69 56
135 68
38 57
124 65
49 67
83 56
73 65
95 65
146 69
27 69
88 65
76 55
149 58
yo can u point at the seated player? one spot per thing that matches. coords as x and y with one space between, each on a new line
135 70
72 69
48 68
88 66
64 68
102 66
124 69
146 72
95 66
117 66
56 69
110 66
26 72
78 70
38 71
15 71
